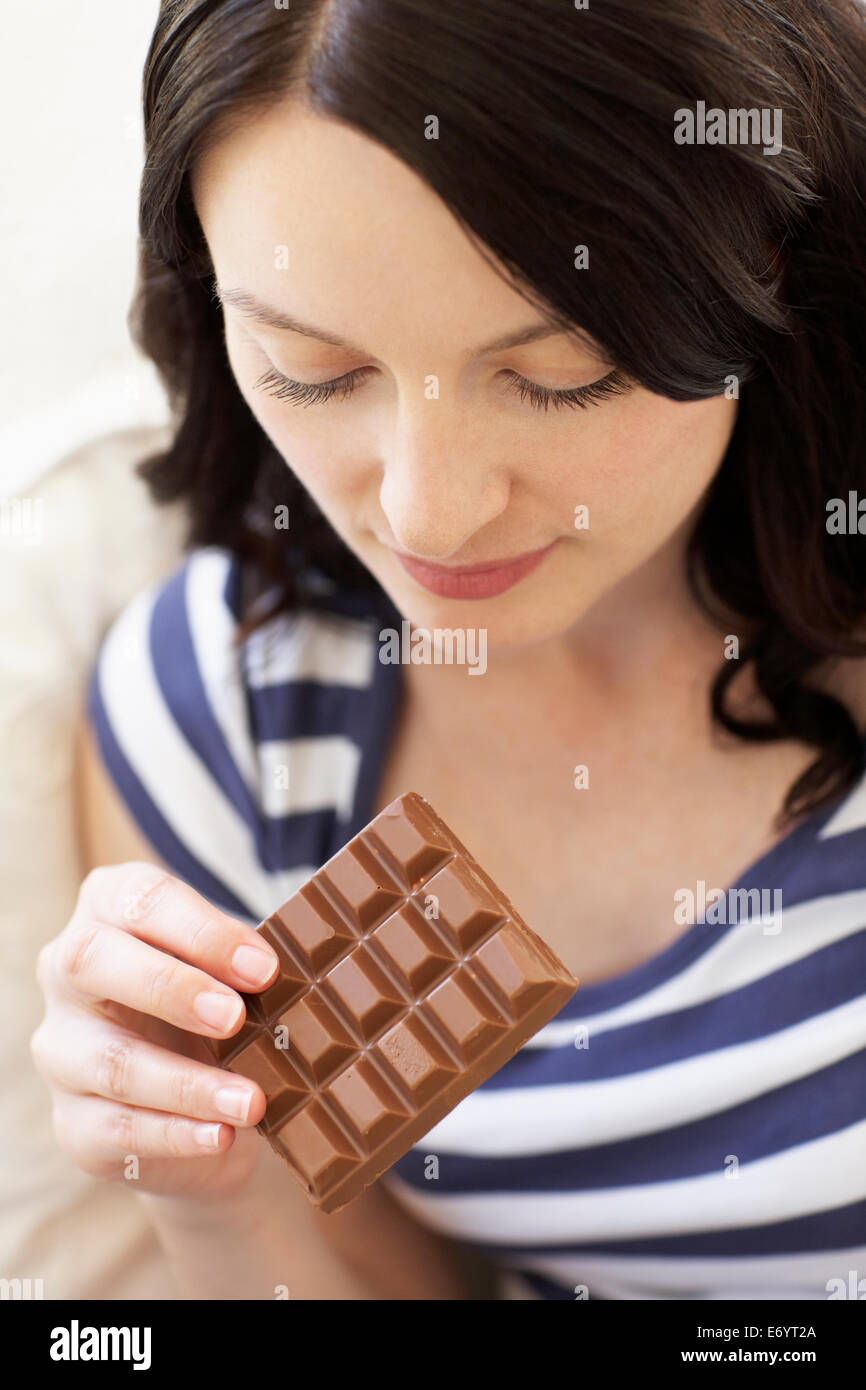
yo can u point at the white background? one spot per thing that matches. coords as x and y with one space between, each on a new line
70 163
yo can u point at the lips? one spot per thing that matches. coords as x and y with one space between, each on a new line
473 581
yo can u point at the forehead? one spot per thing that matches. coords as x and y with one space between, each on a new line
362 232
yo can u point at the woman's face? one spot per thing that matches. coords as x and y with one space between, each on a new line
435 455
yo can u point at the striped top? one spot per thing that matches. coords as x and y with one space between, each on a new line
692 1129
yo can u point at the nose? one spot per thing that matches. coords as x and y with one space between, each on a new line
440 484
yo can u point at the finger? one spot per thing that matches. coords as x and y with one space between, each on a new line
150 904
102 1136
93 1057
97 961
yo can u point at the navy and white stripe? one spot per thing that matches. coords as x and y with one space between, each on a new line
194 730
604 1164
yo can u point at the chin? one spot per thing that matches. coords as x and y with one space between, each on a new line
512 621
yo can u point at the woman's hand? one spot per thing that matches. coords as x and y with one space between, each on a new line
144 964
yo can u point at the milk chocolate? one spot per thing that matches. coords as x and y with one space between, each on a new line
406 979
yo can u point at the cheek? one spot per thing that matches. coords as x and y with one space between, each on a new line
656 459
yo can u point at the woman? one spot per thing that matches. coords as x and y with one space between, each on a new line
543 326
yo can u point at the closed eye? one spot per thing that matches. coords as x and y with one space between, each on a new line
539 397
302 393
542 397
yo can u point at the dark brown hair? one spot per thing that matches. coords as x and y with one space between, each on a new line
556 128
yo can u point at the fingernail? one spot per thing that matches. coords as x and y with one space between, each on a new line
253 965
208 1136
218 1010
234 1102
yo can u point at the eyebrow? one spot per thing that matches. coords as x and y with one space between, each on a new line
253 308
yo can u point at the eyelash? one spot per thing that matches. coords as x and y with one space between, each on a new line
540 397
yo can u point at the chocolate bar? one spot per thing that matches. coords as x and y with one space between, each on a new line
406 979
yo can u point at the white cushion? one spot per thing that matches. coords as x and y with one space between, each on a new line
84 541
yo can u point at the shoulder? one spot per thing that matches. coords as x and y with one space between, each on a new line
240 761
164 663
